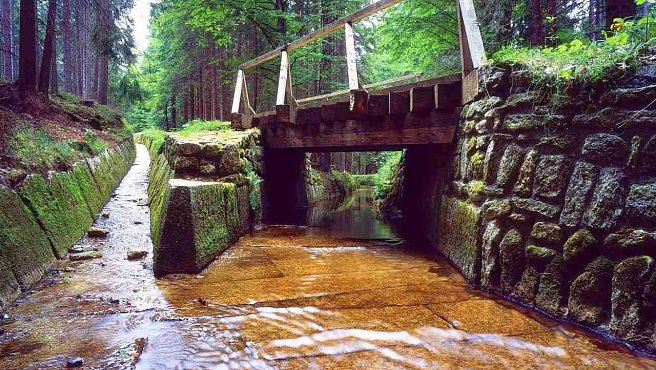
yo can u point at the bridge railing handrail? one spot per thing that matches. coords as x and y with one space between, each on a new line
471 51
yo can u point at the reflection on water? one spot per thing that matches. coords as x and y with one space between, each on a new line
353 217
331 296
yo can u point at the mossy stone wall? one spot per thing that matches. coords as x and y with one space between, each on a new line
42 217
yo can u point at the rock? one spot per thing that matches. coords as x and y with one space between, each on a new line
230 163
136 254
518 217
630 242
511 256
527 286
2 331
580 186
579 248
85 256
607 201
483 127
520 80
105 215
539 256
509 165
634 156
524 184
138 222
629 277
490 249
536 207
97 232
75 362
81 248
550 289
563 142
530 122
207 168
492 158
185 164
590 294
551 176
546 232
649 154
496 208
188 149
602 148
641 204
212 151
477 108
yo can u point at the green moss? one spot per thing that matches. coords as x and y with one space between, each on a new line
210 212
24 247
476 188
458 230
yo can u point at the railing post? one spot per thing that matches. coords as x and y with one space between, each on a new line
285 103
241 120
359 99
472 52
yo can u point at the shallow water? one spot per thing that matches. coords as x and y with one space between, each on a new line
344 293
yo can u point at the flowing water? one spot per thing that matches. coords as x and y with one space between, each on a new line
344 292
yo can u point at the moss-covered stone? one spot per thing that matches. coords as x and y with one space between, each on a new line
629 278
550 289
511 253
579 248
458 236
590 294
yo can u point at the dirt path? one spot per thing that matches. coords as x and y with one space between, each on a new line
285 297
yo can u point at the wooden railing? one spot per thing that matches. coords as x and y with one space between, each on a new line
471 51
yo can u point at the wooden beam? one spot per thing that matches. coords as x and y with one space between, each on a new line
399 102
473 42
236 99
378 105
324 31
286 114
282 79
422 99
352 68
448 96
358 104
371 139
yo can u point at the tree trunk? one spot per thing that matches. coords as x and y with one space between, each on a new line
66 45
27 53
8 38
54 71
552 22
536 36
174 112
48 48
103 51
192 101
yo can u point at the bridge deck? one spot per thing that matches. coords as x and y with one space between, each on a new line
424 112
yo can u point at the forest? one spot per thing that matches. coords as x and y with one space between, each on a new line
86 48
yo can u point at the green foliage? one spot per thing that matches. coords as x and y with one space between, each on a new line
196 126
388 162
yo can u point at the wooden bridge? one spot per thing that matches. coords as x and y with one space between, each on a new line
390 114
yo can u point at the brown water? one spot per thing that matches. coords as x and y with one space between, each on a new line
284 297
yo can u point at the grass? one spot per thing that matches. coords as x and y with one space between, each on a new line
35 149
196 126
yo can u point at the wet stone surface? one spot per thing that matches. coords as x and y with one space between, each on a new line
283 297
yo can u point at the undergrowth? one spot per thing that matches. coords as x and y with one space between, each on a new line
196 126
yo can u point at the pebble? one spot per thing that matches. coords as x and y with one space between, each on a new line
81 249
96 232
85 256
75 362
138 223
105 215
136 255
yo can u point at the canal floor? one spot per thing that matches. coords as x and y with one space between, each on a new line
282 298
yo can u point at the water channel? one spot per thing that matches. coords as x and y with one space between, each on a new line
344 291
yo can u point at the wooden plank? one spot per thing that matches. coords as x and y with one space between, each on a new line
470 87
473 42
324 31
282 79
286 114
399 102
359 104
236 99
374 139
342 110
448 96
351 57
235 121
328 112
422 99
378 105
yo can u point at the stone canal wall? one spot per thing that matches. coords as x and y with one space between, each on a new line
41 217
550 202
204 194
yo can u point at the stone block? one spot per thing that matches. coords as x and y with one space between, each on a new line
538 256
536 207
550 294
526 288
590 294
551 176
579 248
524 184
187 149
630 242
641 204
458 236
546 232
578 190
509 165
629 279
511 256
496 208
608 200
602 148
533 122
649 154
490 255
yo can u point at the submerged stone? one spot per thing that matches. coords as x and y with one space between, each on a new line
97 232
85 256
75 362
136 254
